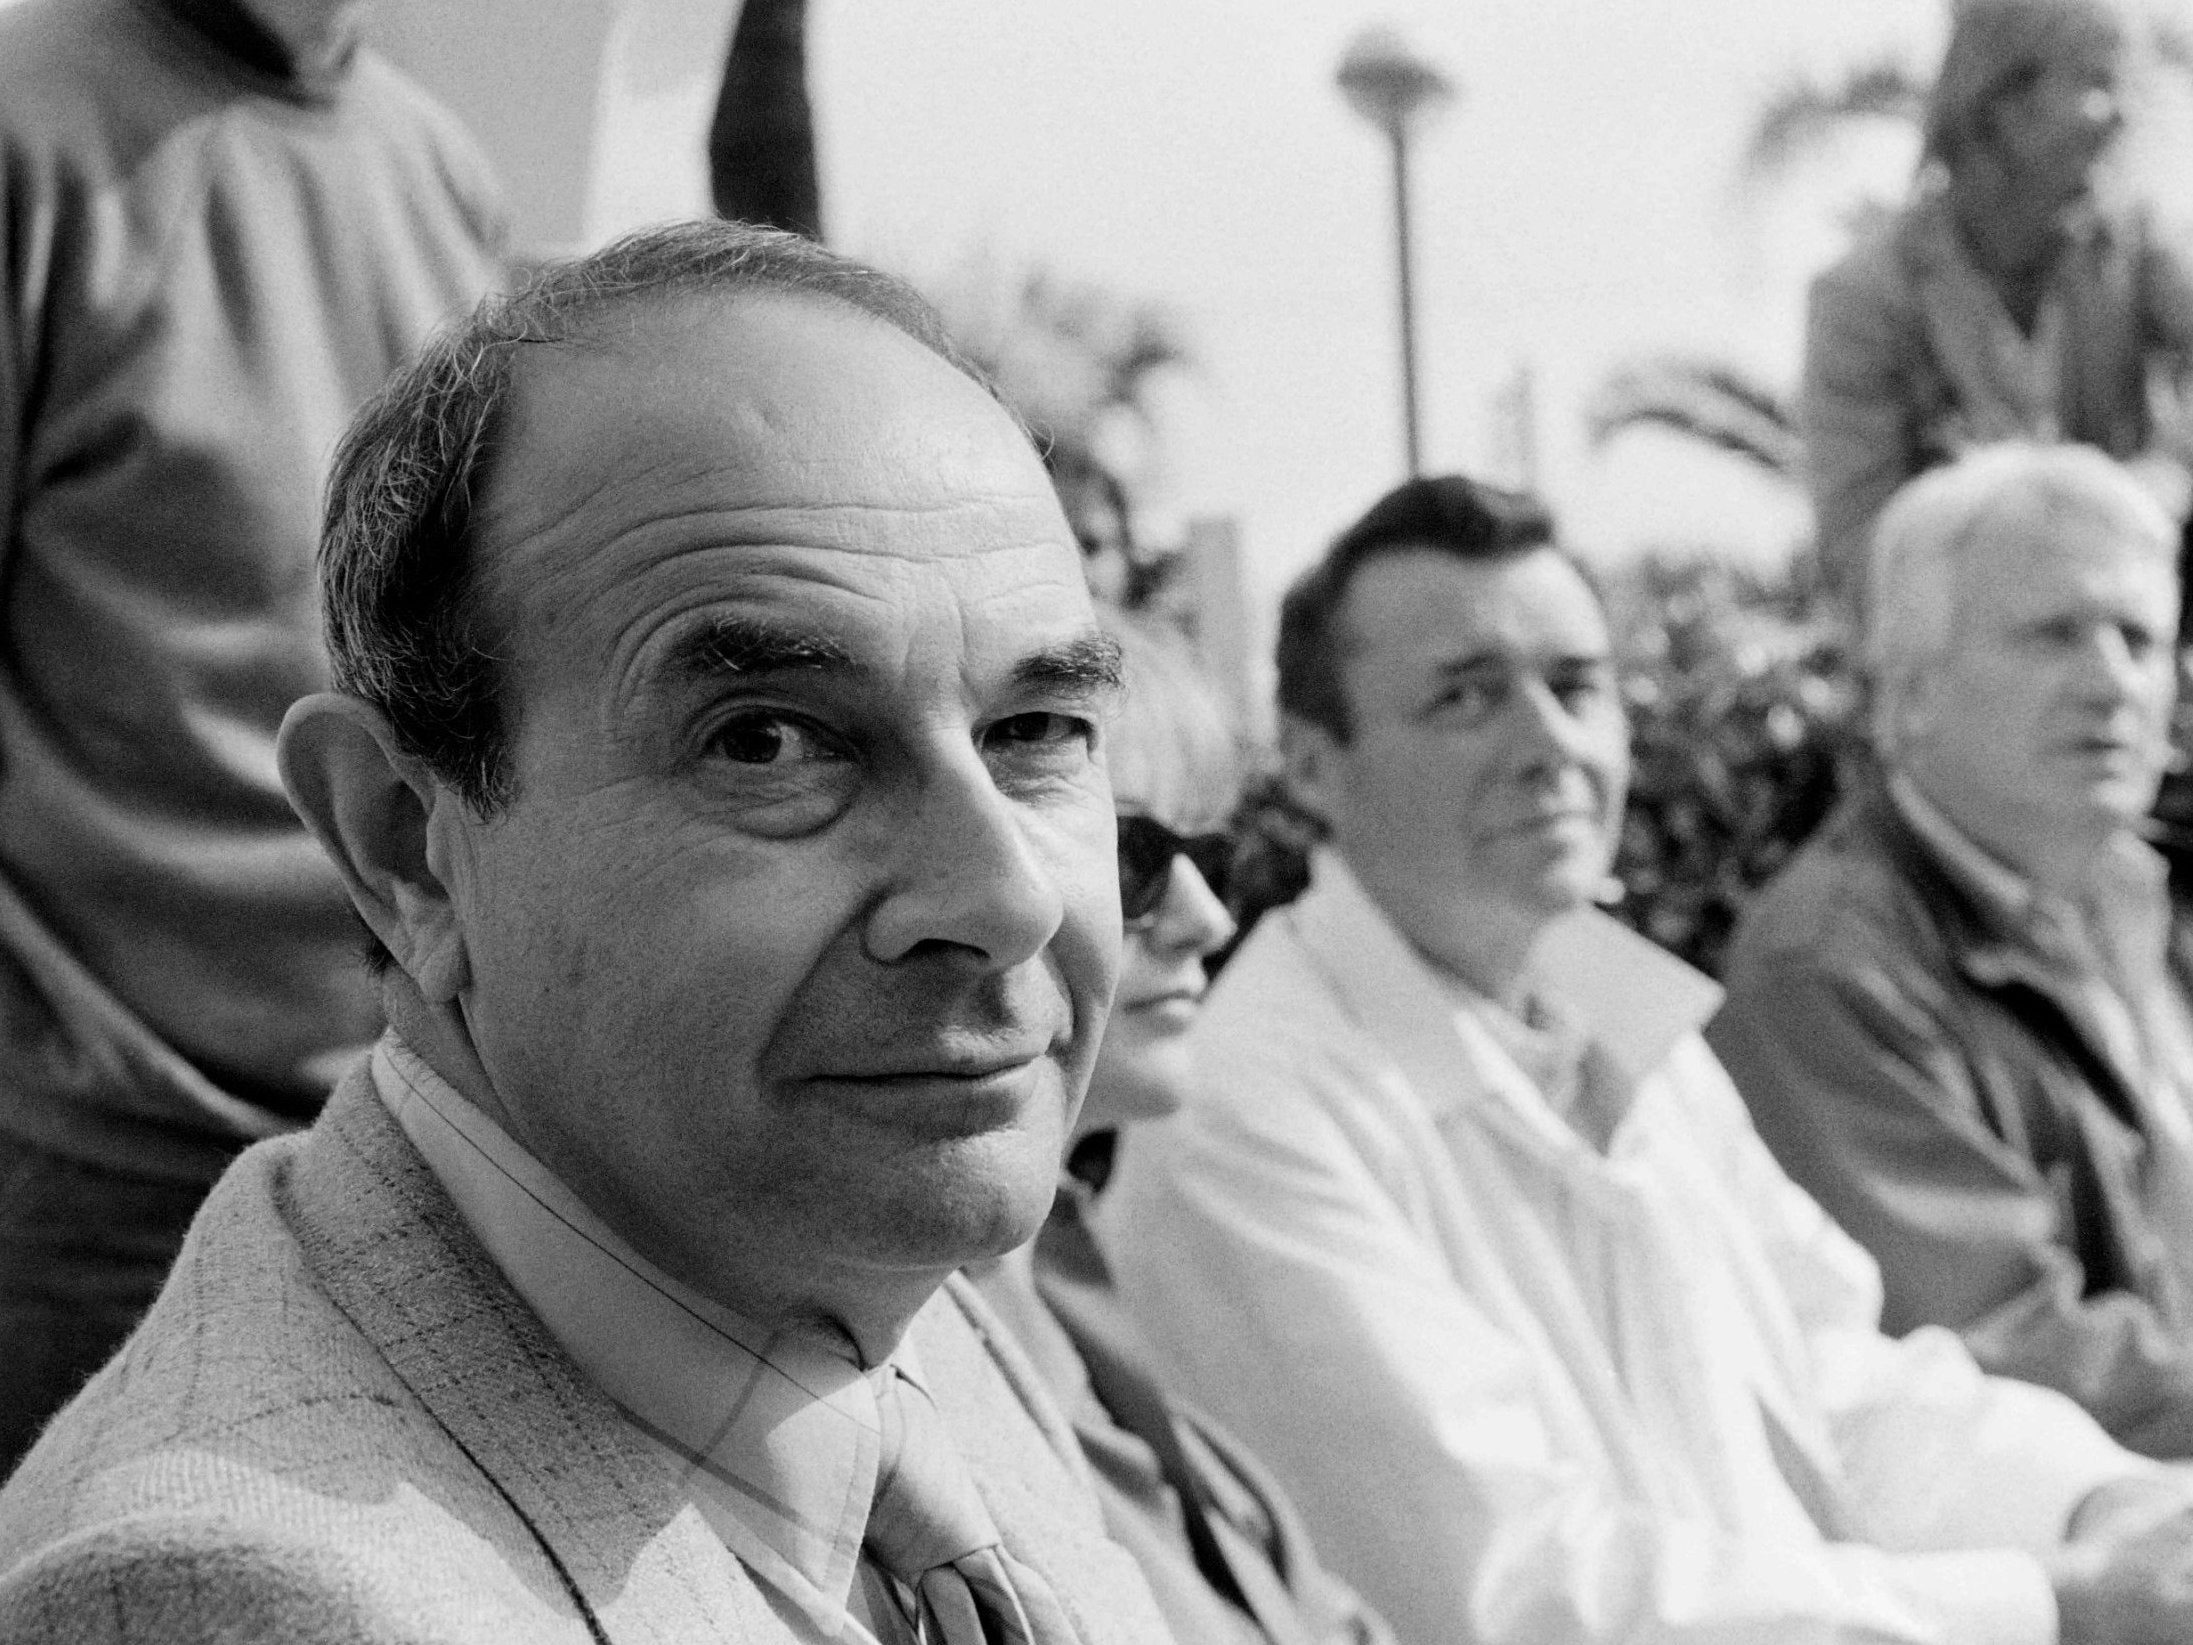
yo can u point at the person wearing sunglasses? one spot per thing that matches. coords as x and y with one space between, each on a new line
1223 1550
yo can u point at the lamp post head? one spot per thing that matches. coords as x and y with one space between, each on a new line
1388 84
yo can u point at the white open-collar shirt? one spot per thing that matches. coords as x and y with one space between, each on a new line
1526 1390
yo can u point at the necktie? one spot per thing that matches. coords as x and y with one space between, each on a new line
928 1528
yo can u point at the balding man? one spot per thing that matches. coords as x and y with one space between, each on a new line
716 757
1960 1016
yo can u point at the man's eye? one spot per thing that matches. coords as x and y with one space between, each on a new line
770 739
1038 748
1579 688
777 774
1469 700
1040 730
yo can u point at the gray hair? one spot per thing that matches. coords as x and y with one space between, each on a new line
408 629
1996 49
1946 517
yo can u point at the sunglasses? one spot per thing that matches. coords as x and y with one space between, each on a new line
1146 852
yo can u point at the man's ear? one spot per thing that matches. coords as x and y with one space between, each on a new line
1309 756
1903 710
368 804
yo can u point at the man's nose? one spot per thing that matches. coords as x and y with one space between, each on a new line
1553 731
2112 672
968 873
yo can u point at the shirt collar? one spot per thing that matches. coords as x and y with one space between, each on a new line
775 1431
2001 889
2118 920
1625 998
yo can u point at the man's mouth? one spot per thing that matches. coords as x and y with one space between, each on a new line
1548 820
1184 995
941 1098
969 1068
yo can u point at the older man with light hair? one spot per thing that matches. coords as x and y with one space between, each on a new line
1961 1015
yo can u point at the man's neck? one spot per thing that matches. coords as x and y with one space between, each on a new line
318 33
2012 240
1484 950
2056 861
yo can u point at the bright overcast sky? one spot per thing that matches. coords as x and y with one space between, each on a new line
1575 208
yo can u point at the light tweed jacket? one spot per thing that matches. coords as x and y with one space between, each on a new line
339 1424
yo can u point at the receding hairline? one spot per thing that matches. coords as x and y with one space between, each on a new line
542 376
609 332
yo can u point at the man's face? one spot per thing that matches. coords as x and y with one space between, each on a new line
1480 790
2047 718
793 951
2057 130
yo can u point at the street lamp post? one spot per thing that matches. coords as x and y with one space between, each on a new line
1397 91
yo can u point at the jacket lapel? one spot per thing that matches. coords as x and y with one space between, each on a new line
391 1251
2032 988
1992 958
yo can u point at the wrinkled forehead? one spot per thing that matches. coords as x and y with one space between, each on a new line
2070 556
710 421
764 389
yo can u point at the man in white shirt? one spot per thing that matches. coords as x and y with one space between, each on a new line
716 756
1470 1237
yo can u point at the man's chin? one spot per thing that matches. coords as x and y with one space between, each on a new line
1570 883
2119 801
956 1202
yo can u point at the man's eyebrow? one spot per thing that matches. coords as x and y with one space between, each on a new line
746 646
1091 664
1499 657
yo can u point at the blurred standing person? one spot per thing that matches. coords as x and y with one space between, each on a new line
1224 1552
225 224
2009 299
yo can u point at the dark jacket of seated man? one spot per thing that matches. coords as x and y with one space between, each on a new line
1961 1015
1952 1096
